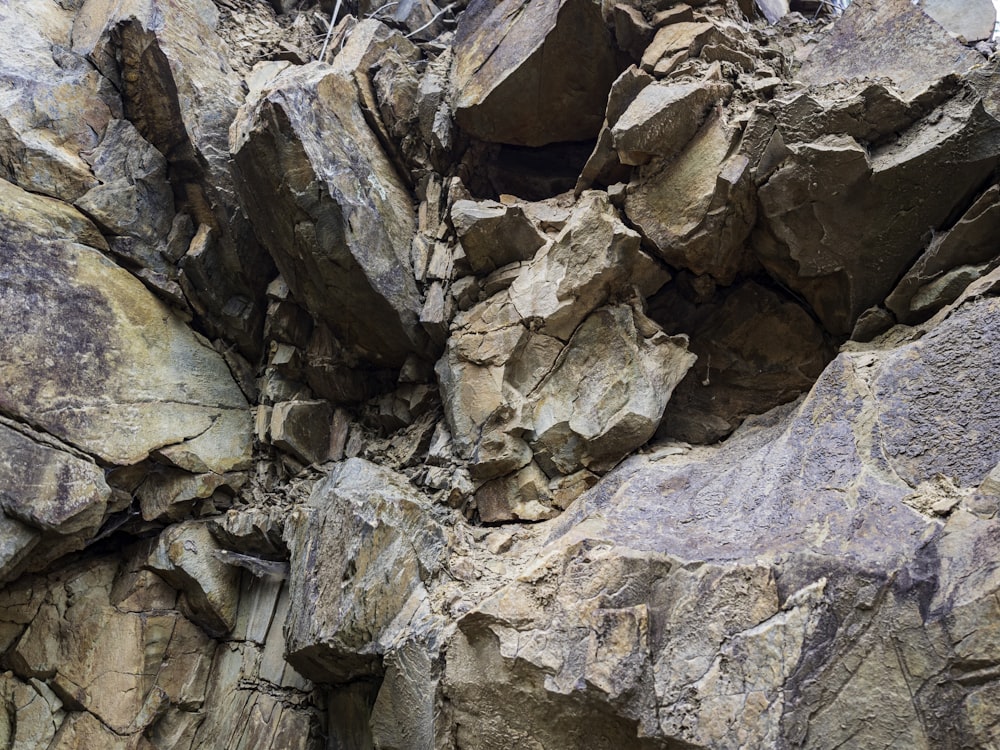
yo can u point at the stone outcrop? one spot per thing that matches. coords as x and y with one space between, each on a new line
340 233
550 374
531 73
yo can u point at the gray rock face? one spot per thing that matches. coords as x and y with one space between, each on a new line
829 185
340 232
532 73
360 523
181 94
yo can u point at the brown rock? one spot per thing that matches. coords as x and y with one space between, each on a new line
341 237
662 118
493 234
532 73
698 209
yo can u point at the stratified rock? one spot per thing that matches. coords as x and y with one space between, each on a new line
971 20
181 94
532 73
882 36
340 231
95 360
56 105
363 550
493 234
841 222
698 209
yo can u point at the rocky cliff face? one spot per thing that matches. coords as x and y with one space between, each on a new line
498 374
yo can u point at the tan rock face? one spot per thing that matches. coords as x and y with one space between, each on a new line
99 363
513 548
57 104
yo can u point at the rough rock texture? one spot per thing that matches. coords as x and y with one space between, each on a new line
532 73
470 376
340 230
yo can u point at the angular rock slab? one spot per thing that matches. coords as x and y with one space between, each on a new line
363 550
329 207
179 91
876 38
45 493
55 104
841 222
532 73
95 360
699 208
606 392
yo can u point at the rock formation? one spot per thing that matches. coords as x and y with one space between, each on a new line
499 374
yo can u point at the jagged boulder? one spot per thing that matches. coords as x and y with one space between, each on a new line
57 107
339 232
181 94
523 375
363 551
532 73
841 221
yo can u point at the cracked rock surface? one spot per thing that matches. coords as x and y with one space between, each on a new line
488 374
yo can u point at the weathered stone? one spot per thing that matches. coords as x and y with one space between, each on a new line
522 496
134 197
493 234
698 209
141 381
970 20
184 558
532 73
970 241
632 32
606 393
685 38
662 118
171 494
603 165
370 533
812 211
56 104
501 349
881 35
340 234
303 429
181 94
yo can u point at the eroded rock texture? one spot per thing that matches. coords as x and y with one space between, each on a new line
483 375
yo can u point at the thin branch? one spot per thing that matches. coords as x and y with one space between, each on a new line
333 22
430 23
378 10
